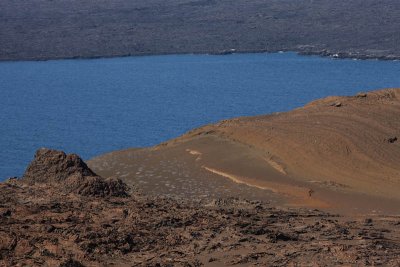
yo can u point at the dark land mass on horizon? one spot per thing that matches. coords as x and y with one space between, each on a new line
43 29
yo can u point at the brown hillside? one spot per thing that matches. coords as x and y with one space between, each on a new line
338 152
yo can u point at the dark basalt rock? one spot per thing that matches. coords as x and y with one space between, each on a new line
97 186
71 263
51 229
56 168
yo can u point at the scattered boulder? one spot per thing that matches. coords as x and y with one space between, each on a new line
71 263
336 104
7 213
361 95
280 236
368 222
392 139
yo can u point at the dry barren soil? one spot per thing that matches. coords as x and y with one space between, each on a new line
341 154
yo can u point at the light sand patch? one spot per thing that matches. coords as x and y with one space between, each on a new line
238 179
195 153
299 196
276 165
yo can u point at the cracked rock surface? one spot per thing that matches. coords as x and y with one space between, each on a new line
42 224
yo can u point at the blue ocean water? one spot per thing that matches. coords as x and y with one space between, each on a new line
90 107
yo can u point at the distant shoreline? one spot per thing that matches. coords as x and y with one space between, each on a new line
322 53
92 29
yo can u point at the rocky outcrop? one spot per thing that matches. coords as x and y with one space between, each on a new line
55 166
42 224
71 174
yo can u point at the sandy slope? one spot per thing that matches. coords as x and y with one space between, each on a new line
338 153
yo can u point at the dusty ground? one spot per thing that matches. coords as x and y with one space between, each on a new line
51 223
339 154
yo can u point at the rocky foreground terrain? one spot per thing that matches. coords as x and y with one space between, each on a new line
43 29
60 213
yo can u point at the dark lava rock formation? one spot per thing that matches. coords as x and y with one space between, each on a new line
70 173
55 166
42 225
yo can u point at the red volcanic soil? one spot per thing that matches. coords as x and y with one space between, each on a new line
339 154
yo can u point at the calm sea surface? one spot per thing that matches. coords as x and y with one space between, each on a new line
90 107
